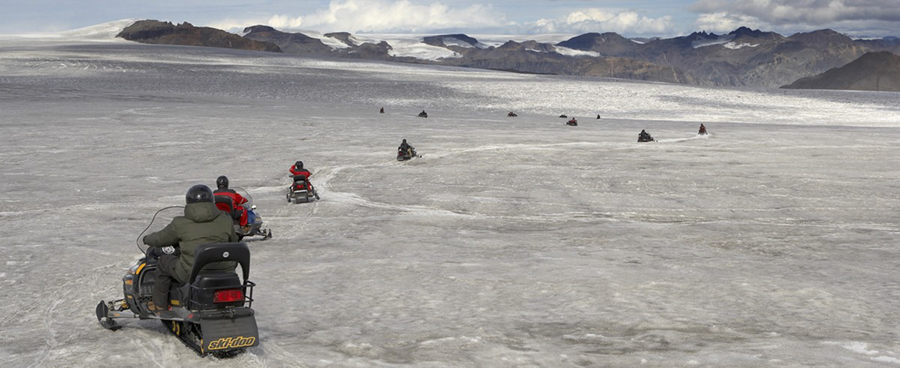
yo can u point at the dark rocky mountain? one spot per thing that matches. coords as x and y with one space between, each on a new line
743 57
291 43
605 44
874 71
527 57
446 40
344 37
301 44
542 58
156 32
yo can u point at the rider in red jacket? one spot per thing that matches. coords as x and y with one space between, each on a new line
298 171
239 200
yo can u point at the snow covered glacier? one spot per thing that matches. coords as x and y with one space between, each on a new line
514 242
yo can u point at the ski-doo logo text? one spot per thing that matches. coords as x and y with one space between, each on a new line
231 343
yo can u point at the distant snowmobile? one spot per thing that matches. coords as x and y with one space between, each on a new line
301 191
644 137
404 155
598 116
511 114
254 226
211 313
423 114
563 116
572 122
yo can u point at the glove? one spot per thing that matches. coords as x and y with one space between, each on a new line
153 253
144 239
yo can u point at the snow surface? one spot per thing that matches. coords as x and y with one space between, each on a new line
573 52
736 46
332 42
420 50
514 242
453 41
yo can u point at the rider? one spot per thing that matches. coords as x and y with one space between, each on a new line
702 129
644 136
406 148
238 200
298 171
202 223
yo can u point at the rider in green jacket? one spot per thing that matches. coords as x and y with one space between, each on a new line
202 223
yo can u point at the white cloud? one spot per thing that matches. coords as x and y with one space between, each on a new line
382 16
849 15
401 16
724 22
599 20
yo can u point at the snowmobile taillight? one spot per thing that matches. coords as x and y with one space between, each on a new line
228 296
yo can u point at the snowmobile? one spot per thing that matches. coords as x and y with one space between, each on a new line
645 137
563 116
423 114
301 191
511 114
572 122
254 220
406 155
211 313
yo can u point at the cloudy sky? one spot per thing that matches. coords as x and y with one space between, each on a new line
630 18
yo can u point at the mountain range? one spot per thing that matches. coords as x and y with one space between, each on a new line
874 71
743 57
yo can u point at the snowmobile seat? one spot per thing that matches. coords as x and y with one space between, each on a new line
301 182
202 284
226 204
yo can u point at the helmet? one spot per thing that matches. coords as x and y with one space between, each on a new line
222 181
198 193
404 141
299 164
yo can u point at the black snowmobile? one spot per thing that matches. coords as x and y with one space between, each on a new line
254 220
511 114
404 155
211 313
423 114
301 191
645 137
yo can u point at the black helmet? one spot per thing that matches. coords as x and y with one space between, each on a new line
222 182
198 193
299 164
404 141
